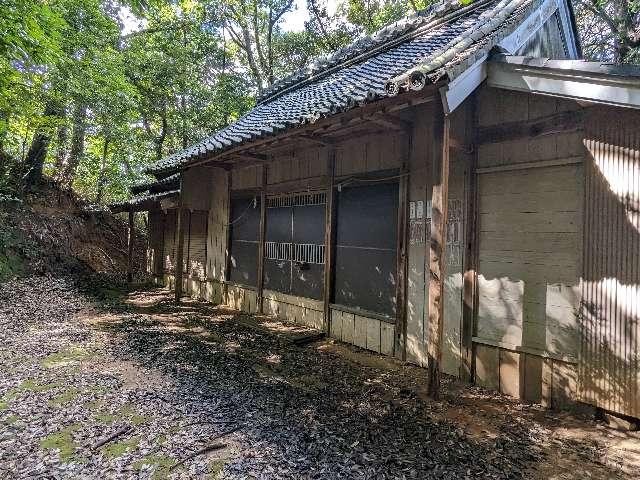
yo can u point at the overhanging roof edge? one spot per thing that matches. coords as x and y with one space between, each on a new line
617 85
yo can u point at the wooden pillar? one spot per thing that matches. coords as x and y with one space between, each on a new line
437 252
180 247
470 278
227 246
130 243
401 258
261 239
329 237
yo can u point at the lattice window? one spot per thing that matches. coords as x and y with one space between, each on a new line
296 199
295 252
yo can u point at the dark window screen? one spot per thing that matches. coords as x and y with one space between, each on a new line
294 248
366 238
245 228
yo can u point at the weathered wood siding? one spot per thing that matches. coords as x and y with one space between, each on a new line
169 241
459 169
303 163
218 225
371 153
196 188
529 234
364 332
420 189
304 311
243 178
609 374
197 244
529 240
420 174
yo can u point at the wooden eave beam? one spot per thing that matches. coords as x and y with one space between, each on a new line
324 141
251 156
391 121
390 104
551 124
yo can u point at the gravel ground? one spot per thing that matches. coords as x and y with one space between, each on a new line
79 364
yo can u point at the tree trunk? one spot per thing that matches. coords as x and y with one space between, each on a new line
159 141
77 144
61 149
34 161
102 178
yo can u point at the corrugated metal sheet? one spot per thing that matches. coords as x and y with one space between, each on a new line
609 374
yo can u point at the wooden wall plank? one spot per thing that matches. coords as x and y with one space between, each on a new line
360 331
373 335
487 367
218 229
532 378
387 338
510 373
336 324
348 328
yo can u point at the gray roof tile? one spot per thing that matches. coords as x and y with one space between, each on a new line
361 72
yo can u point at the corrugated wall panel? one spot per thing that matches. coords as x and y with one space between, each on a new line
609 375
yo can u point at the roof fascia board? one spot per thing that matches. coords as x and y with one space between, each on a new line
456 91
575 85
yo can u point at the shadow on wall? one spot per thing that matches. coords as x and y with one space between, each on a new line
610 308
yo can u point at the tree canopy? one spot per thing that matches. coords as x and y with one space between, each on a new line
92 91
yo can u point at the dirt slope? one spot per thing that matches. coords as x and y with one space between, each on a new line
55 231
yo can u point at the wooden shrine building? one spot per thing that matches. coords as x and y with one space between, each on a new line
440 182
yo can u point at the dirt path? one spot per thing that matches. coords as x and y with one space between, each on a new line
81 361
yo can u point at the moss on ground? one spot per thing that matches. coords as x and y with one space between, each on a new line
11 419
28 385
62 441
66 358
66 396
93 406
98 389
32 386
163 465
128 411
117 449
105 418
216 467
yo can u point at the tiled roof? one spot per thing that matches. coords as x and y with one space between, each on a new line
143 202
169 183
437 38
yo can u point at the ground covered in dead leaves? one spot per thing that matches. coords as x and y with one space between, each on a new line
82 362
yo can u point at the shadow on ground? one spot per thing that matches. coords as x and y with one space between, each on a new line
330 410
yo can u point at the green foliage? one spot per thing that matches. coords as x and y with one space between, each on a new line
104 97
371 15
